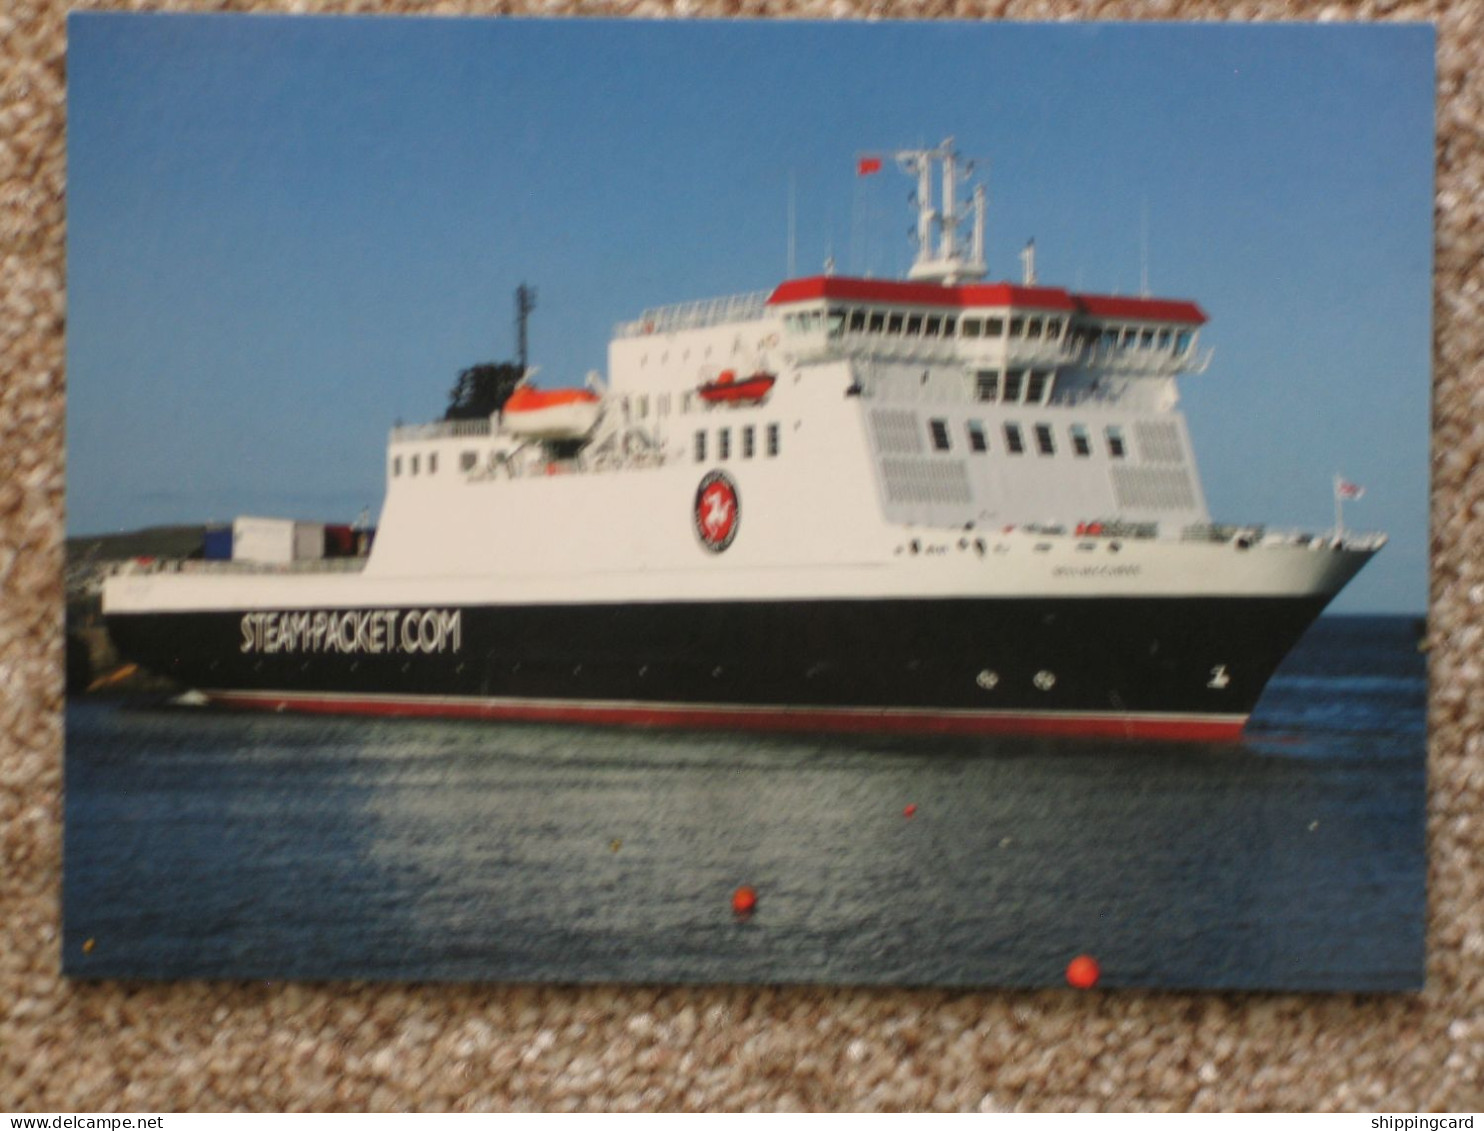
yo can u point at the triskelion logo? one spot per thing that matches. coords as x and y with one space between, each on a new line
718 511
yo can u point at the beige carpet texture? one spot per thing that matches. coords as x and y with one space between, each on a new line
121 1047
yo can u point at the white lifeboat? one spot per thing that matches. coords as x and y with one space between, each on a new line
551 414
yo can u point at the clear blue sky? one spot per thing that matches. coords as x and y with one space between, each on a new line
286 233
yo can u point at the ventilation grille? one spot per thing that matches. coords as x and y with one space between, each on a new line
896 432
925 481
1159 442
1153 489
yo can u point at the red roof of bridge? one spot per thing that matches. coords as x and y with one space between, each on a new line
901 293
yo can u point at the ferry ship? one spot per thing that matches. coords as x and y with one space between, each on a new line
931 504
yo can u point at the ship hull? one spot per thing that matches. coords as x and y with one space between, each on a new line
1188 667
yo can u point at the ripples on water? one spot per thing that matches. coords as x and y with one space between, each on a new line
218 845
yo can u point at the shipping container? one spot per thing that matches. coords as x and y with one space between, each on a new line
217 546
340 540
277 541
309 541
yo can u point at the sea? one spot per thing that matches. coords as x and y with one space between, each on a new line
205 844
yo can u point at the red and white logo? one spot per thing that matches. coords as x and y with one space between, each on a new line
718 511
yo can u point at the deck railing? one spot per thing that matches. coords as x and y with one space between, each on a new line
695 315
439 429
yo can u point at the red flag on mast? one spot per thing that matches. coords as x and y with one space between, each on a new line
865 166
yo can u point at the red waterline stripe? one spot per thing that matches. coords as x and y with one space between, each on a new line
1173 727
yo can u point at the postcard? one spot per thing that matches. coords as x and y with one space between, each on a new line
734 502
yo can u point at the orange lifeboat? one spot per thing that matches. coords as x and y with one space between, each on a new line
726 389
551 414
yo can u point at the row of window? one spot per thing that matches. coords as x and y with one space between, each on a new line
414 464
1135 337
467 462
747 442
1015 439
1014 386
1029 327
747 437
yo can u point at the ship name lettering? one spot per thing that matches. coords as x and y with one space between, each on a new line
353 631
1097 571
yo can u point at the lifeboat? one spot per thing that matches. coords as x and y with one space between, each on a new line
726 389
551 414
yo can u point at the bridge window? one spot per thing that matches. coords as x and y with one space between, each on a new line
1053 329
878 322
1183 340
1033 328
857 321
1164 340
972 327
836 322
748 435
1035 387
1017 327
1110 337
1116 447
467 460
977 441
724 444
1013 378
939 429
1080 443
934 325
987 384
1014 443
1129 335
1146 339
1045 443
701 445
994 328
914 324
772 439
893 323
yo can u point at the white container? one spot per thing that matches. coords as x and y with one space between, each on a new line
277 541
309 541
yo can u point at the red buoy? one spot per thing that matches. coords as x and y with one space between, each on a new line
1083 972
909 811
744 899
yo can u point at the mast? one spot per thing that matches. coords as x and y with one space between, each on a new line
950 261
525 302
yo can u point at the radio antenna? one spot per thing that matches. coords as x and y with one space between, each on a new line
1144 250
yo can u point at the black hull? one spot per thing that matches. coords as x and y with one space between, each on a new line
1182 667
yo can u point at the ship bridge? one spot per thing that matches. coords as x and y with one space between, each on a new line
1010 335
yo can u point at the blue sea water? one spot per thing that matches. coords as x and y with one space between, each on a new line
205 844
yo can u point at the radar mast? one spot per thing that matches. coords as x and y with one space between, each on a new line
941 254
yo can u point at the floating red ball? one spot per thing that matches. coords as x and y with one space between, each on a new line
909 811
1083 972
744 899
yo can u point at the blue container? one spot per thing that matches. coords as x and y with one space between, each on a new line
218 545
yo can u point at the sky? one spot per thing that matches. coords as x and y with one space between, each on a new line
288 233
